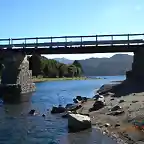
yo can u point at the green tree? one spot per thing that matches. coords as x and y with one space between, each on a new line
77 64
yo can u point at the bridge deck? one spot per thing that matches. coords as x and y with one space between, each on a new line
74 44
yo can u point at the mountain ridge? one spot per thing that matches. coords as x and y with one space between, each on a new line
117 64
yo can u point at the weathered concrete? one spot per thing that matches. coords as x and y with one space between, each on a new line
16 80
137 72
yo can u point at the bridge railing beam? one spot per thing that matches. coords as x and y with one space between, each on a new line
67 38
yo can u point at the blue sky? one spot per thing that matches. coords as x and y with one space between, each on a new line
31 18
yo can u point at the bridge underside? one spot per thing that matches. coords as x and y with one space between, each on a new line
74 50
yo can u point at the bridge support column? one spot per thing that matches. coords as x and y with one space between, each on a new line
16 79
137 72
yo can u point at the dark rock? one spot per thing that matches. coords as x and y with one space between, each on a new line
43 115
59 109
134 101
32 112
96 97
115 113
112 99
121 101
79 98
117 107
97 105
75 101
117 125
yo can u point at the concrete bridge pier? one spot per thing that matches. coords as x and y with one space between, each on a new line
16 80
137 72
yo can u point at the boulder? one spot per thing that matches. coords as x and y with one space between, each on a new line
77 122
58 109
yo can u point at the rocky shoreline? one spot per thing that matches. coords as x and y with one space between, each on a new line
117 116
118 123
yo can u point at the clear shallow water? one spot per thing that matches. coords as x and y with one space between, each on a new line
16 127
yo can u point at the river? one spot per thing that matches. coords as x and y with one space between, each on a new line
16 127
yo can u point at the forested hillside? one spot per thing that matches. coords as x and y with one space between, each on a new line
51 68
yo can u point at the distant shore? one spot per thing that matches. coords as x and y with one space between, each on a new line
36 80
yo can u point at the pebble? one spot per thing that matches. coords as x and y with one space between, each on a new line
107 125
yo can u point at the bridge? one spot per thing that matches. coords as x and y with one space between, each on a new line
74 44
16 79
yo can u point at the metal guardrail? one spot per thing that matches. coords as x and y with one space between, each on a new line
66 41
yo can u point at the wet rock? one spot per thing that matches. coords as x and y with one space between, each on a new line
32 112
58 109
121 101
79 98
75 100
77 122
115 113
115 108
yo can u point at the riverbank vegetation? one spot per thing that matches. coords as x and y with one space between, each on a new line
50 68
41 79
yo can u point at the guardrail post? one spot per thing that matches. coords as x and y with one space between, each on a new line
36 42
112 40
96 40
25 43
81 41
66 41
51 42
128 39
9 41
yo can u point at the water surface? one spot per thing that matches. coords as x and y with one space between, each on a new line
16 127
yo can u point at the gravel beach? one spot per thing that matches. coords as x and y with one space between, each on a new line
121 125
